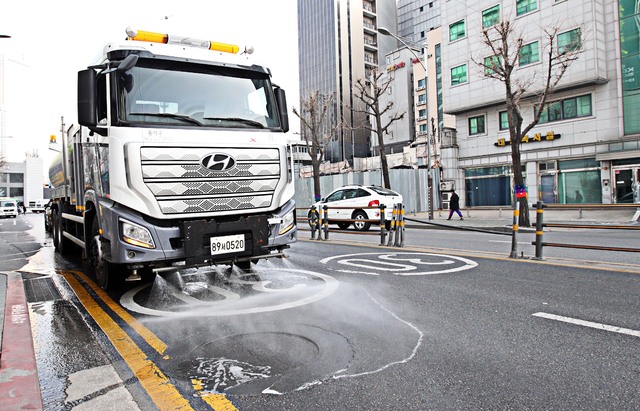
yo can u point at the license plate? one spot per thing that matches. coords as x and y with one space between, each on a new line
227 244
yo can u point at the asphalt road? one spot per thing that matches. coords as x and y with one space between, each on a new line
347 326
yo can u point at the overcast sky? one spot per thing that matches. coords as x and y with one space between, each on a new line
51 41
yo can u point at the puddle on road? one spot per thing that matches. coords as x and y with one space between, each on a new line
215 375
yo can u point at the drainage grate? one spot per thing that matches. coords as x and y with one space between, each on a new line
41 289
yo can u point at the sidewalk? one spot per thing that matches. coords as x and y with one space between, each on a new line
502 218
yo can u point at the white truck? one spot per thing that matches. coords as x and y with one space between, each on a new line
179 160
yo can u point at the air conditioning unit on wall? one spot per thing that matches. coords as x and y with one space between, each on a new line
447 186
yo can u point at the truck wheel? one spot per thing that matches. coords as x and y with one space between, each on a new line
60 242
106 273
361 224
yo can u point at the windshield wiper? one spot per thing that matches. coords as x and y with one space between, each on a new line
171 115
238 120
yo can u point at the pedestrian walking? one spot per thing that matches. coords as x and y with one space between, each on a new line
454 205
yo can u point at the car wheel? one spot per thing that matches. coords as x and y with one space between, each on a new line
361 224
344 226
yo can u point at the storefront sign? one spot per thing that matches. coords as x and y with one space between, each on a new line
396 66
550 136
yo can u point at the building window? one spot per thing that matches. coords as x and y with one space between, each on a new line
422 114
488 186
422 99
4 178
529 53
476 125
420 84
491 17
459 75
16 178
423 128
456 30
491 64
16 192
504 120
525 6
569 41
579 181
568 108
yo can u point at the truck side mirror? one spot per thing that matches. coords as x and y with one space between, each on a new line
87 98
281 100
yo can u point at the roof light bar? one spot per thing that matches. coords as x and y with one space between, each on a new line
140 35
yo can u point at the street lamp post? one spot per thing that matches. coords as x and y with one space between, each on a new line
386 32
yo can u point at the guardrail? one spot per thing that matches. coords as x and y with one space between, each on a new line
539 243
319 223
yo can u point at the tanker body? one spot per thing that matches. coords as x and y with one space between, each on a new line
179 159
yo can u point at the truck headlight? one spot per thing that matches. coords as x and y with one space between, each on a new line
137 235
288 222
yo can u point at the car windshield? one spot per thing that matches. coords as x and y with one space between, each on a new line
383 191
196 95
8 204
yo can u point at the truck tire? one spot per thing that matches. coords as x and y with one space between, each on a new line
61 243
106 274
361 224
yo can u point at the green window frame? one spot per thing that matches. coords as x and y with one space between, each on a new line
476 125
503 120
490 62
457 30
568 108
570 41
459 75
491 16
529 53
525 6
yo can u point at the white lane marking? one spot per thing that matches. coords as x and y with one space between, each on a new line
589 324
385 262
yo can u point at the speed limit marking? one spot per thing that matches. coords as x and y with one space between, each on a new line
401 264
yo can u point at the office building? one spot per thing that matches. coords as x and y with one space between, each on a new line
339 44
586 147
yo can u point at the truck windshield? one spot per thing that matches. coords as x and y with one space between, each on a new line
196 96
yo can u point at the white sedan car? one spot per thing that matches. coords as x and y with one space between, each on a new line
358 203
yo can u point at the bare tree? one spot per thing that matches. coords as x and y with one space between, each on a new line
317 130
506 48
369 91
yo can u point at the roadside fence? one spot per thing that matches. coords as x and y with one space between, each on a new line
393 236
539 243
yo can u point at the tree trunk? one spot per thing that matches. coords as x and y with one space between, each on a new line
518 180
316 181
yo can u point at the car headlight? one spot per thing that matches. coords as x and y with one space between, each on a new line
137 235
288 222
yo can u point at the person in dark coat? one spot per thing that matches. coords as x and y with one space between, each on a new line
454 205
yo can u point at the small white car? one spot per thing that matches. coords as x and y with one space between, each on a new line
8 208
359 203
37 206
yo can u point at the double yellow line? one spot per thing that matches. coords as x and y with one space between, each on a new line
157 385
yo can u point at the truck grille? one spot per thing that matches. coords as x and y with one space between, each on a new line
181 184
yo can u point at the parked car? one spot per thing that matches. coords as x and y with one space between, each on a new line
356 199
8 208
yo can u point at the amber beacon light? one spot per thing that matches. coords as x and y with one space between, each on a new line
139 35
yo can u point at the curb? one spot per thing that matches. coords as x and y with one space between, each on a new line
19 385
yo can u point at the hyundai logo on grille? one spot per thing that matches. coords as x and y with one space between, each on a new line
218 162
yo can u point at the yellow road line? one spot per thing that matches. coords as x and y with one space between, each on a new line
155 342
163 394
218 402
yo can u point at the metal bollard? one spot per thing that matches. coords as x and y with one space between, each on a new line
514 238
539 229
400 229
392 229
313 222
326 222
383 224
